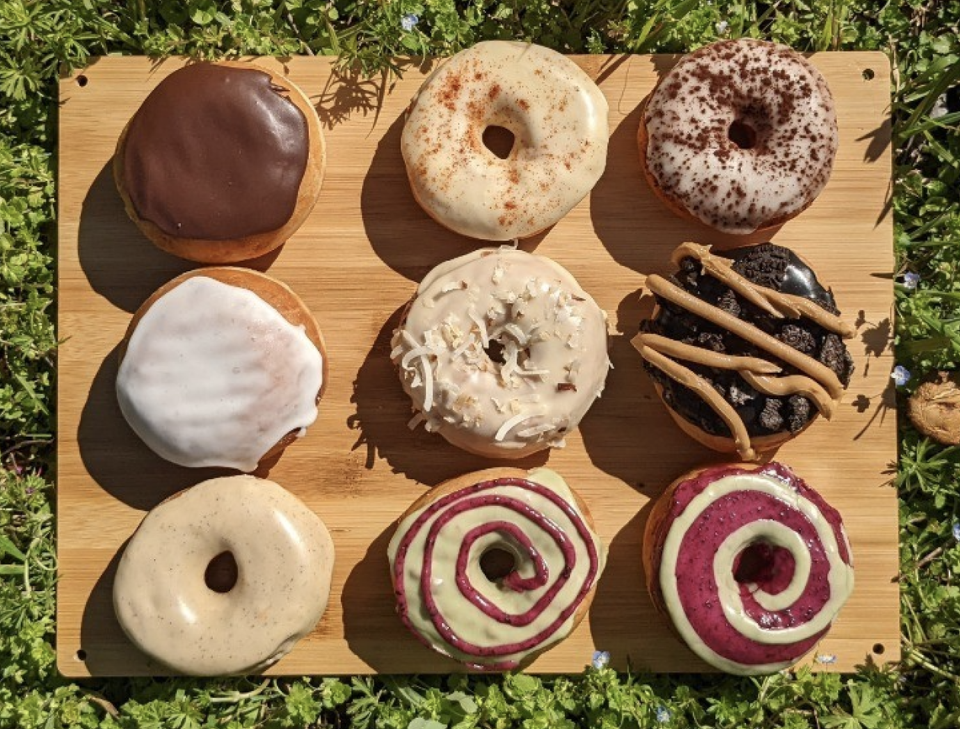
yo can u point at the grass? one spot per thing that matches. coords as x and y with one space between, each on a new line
41 39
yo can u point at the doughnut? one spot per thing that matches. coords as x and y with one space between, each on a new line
501 352
172 604
545 560
740 135
745 350
221 163
749 563
558 119
221 367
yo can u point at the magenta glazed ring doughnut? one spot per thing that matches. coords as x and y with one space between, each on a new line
750 564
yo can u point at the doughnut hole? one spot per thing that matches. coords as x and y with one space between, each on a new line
742 134
222 573
765 565
497 563
499 140
495 351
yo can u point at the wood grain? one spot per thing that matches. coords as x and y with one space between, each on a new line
356 262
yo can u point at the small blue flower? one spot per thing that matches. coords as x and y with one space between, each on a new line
910 280
956 531
826 658
900 375
663 714
600 659
409 22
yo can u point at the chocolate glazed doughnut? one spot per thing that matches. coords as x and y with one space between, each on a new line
744 351
221 163
749 563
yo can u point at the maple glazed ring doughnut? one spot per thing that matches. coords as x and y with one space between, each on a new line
221 367
740 135
494 616
222 162
749 563
501 352
558 117
173 605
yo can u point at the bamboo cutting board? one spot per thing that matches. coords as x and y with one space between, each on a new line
356 262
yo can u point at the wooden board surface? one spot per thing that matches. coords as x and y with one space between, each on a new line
356 262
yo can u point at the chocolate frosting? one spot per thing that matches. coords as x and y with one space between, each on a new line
216 153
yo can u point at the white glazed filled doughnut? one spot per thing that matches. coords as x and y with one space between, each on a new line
284 562
750 564
740 135
451 604
222 367
558 118
501 352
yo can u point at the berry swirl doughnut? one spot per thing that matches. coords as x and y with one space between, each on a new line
558 117
501 352
166 595
750 564
498 616
740 135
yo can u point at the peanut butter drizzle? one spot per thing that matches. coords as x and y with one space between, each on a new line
820 384
702 356
805 363
689 378
773 302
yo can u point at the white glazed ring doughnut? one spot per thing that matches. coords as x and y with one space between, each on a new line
750 563
502 352
284 559
558 118
448 601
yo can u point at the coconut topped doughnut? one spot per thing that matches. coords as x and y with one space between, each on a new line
221 367
556 113
173 605
740 134
501 352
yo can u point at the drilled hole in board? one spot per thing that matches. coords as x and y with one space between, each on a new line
82 81
868 74
878 648
81 655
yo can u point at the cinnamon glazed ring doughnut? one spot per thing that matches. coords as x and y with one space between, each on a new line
556 113
740 135
745 351
749 563
495 623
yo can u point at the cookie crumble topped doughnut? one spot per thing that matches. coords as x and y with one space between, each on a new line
740 135
745 350
558 118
